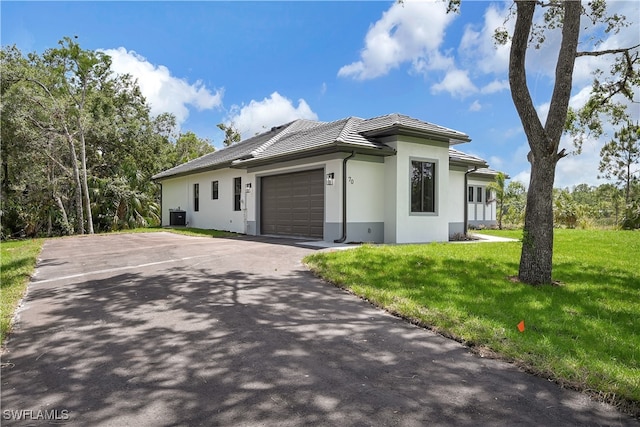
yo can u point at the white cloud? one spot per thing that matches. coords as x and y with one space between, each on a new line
579 169
475 106
543 111
478 48
495 86
260 116
523 177
164 92
408 32
457 83
496 162
514 131
478 52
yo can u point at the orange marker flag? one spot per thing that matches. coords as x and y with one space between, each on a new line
521 326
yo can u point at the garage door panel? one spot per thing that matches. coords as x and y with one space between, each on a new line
293 204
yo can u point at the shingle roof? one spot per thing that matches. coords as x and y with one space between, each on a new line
324 135
467 159
392 123
225 156
488 172
306 136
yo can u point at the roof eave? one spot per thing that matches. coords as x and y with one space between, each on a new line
192 171
489 174
449 137
475 163
327 149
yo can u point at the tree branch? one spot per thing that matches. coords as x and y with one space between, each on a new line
518 77
607 52
557 115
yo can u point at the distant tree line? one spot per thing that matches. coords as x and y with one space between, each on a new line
612 205
79 145
583 206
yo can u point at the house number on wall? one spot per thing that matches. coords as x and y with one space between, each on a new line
351 181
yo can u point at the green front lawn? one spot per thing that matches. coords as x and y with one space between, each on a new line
17 261
187 231
584 333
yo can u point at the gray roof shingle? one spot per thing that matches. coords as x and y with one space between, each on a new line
391 123
306 136
488 172
324 135
467 159
225 156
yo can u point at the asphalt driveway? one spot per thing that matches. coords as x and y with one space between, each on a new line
162 329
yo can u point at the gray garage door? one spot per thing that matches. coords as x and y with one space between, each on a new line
293 204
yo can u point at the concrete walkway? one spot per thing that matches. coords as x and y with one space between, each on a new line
483 238
167 330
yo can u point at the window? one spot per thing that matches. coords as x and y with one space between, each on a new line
196 197
479 195
237 192
423 189
214 190
470 197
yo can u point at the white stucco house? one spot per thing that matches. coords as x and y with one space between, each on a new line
388 179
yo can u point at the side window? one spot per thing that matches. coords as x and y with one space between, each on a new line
470 197
196 197
479 194
214 190
237 193
423 187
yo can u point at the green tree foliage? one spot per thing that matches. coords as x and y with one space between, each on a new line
189 146
79 145
596 207
631 218
498 186
515 201
231 134
610 93
620 158
566 211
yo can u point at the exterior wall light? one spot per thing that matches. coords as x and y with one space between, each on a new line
248 188
330 178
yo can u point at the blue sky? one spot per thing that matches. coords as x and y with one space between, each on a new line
261 64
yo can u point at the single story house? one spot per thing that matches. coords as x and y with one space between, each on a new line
388 179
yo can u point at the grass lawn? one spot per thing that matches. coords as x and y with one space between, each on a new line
187 231
584 334
17 261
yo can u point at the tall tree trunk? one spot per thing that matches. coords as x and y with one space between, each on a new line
85 185
63 212
537 248
537 243
76 178
627 197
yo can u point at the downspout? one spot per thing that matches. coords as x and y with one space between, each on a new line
344 199
161 207
465 194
